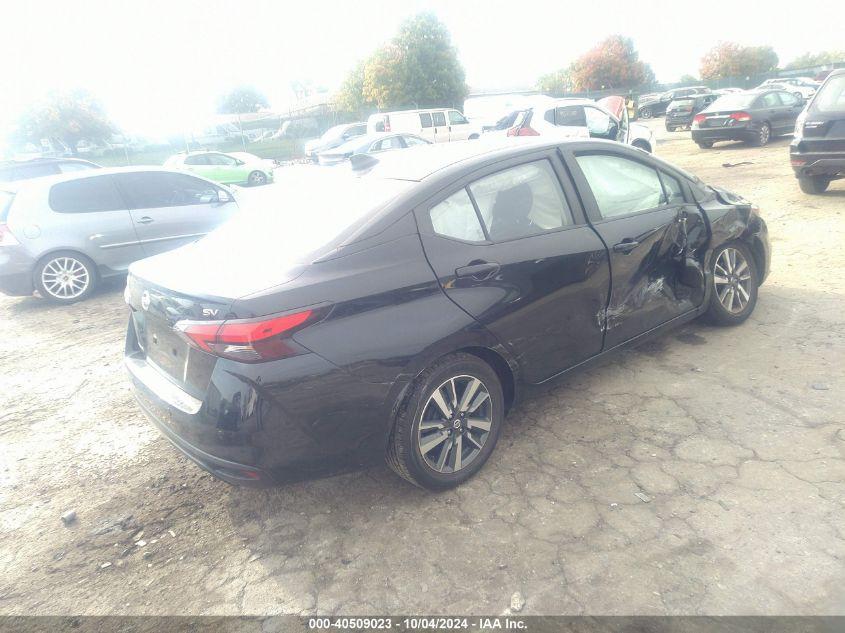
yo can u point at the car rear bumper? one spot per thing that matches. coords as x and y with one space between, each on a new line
16 284
732 133
817 163
678 120
16 272
267 423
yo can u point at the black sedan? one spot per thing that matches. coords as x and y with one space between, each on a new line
753 116
817 152
401 311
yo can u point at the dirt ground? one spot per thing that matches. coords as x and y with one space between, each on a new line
734 439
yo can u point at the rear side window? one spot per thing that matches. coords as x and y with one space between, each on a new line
570 116
621 185
521 201
455 217
672 187
439 118
153 190
831 96
425 119
788 99
770 100
201 159
85 195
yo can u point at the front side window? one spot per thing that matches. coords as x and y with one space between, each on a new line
425 119
455 217
521 201
222 159
456 118
199 159
599 123
85 195
788 99
770 100
439 118
620 185
155 190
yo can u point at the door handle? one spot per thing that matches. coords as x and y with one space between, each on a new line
145 220
625 246
478 270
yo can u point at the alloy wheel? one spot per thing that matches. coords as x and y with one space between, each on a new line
65 278
257 178
455 424
732 277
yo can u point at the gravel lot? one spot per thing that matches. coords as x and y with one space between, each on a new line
734 439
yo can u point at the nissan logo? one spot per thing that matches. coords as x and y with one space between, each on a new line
145 300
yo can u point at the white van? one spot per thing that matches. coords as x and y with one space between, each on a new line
437 125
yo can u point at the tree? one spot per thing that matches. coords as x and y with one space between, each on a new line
242 100
729 59
350 97
419 67
558 82
67 116
816 59
613 63
688 79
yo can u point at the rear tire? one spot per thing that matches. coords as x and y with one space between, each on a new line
705 144
65 277
453 444
733 285
763 136
813 185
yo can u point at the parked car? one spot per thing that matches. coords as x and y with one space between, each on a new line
604 119
401 313
649 106
63 234
502 124
727 91
680 112
754 116
817 153
37 167
438 125
334 137
800 91
229 169
370 144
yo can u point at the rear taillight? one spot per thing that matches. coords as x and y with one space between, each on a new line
247 340
6 237
387 124
699 118
743 117
522 130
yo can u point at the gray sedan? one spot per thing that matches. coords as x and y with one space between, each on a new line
62 234
370 144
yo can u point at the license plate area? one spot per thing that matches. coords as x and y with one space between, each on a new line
165 348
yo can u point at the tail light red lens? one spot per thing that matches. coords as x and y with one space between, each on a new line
743 117
387 124
6 237
699 118
522 130
247 340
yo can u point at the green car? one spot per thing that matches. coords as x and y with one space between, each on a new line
236 168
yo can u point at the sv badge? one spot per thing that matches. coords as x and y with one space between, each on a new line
210 312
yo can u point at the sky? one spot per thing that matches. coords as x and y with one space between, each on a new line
159 66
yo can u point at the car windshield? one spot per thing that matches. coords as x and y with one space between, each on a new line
333 133
736 101
308 210
831 98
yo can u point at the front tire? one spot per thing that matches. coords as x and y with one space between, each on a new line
813 185
646 113
257 178
733 285
65 277
448 424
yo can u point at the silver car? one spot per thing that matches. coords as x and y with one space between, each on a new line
63 234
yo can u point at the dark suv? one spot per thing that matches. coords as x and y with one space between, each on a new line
680 112
817 152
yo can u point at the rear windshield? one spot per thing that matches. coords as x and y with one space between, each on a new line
831 98
6 198
682 103
732 102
